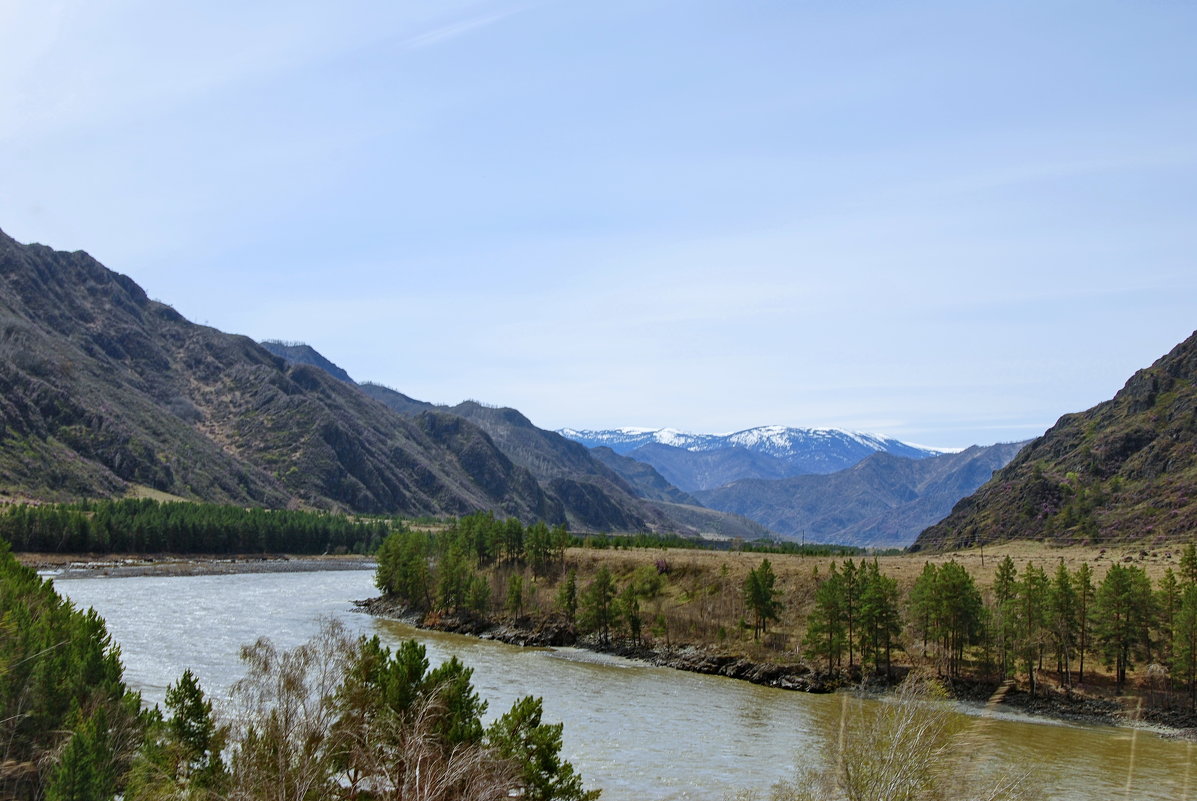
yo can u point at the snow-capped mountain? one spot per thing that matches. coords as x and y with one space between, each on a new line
705 461
780 441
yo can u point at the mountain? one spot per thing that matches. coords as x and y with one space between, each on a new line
1125 470
103 390
299 353
637 496
643 478
705 461
702 470
883 501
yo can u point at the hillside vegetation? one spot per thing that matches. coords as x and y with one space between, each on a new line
105 392
1125 470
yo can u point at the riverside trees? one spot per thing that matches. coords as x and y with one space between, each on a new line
145 525
337 717
856 610
761 597
852 616
68 723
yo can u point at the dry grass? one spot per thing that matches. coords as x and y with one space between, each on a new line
701 601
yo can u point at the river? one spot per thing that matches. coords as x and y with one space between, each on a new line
636 731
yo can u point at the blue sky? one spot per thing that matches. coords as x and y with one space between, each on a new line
947 222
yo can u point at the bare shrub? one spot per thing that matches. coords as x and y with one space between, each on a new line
912 745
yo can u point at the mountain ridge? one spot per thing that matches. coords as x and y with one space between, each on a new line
1123 470
695 462
882 501
103 389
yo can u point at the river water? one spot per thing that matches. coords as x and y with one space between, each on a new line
636 731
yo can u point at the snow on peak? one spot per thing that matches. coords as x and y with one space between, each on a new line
775 440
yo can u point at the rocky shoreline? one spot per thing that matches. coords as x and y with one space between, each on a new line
530 632
77 567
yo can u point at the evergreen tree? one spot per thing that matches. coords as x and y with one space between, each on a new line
1004 616
851 606
1030 609
1188 563
1062 621
1124 603
567 597
87 769
760 596
825 631
598 612
1167 604
629 612
515 595
880 623
1184 642
520 736
1085 594
181 756
924 604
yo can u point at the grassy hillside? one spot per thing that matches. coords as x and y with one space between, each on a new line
1125 470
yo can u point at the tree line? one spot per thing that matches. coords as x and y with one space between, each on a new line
856 620
150 526
1030 622
335 718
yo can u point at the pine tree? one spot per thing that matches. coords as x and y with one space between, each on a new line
1167 604
1062 621
1188 563
1030 605
760 596
1005 585
880 623
598 612
1124 602
515 595
1184 642
520 736
825 632
1085 594
567 597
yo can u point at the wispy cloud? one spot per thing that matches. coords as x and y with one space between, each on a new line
445 33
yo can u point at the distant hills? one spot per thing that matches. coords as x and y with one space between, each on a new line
706 461
570 470
1125 470
883 501
827 485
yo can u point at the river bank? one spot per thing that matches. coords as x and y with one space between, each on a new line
76 566
1049 702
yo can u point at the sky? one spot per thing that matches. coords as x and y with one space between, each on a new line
946 222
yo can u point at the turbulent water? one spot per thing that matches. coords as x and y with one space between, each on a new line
637 732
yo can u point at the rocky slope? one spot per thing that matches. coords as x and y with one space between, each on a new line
1125 470
884 501
102 389
589 486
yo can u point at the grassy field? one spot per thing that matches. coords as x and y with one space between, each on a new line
700 598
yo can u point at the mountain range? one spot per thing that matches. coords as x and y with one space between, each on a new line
1124 470
883 501
706 461
104 392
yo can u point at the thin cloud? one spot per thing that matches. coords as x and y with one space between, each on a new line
447 32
